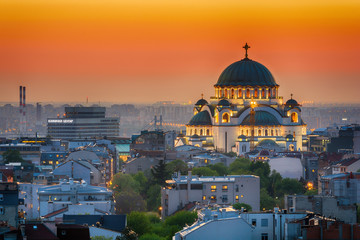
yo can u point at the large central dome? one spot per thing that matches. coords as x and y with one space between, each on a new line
246 73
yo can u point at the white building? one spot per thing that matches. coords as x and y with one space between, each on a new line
28 192
230 224
288 167
225 121
225 190
72 197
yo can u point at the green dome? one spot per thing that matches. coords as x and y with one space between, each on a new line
201 102
262 118
201 118
246 73
224 103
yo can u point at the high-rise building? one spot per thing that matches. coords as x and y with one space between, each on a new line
83 122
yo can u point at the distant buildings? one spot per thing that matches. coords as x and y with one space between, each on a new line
83 122
226 190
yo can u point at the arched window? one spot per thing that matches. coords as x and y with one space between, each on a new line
266 132
294 117
194 131
247 93
207 132
259 132
232 93
274 92
272 132
225 118
243 148
222 93
226 93
201 132
263 93
239 93
247 132
256 93
269 93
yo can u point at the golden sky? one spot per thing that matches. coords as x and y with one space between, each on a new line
146 51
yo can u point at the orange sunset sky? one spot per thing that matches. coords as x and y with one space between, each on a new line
146 51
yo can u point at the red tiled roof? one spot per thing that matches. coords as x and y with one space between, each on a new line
49 215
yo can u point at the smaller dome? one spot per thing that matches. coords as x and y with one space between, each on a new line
242 137
201 118
224 103
262 118
291 103
201 102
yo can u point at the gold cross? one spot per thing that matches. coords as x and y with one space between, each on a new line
246 49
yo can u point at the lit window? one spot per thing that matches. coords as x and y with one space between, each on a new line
51 162
224 188
237 197
294 117
256 93
213 198
204 198
242 196
225 118
213 188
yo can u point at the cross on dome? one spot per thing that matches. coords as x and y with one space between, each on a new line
246 50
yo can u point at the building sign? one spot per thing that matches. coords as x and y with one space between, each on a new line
60 120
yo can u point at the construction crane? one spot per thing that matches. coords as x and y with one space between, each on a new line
252 124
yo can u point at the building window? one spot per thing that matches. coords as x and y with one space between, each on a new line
194 131
204 198
213 198
232 93
256 93
263 93
236 188
264 236
239 93
294 117
224 198
2 210
264 222
201 132
253 222
236 198
259 132
207 132
224 188
247 93
225 118
1 197
213 188
266 132
226 93
243 148
272 132
241 195
269 93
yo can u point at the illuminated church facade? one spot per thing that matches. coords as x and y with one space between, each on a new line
225 123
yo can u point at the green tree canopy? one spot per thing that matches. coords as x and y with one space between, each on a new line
128 201
220 168
238 206
12 156
289 186
181 218
177 165
204 171
138 222
160 173
123 182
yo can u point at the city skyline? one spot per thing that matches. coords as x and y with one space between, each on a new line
137 51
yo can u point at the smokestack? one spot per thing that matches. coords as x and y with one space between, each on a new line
20 104
24 96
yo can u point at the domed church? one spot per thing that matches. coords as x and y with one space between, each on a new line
246 113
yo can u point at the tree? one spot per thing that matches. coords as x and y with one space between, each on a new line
159 173
101 238
128 201
123 182
238 206
153 199
150 236
289 186
142 181
181 218
274 180
266 201
176 166
12 156
128 234
220 168
204 171
239 165
138 222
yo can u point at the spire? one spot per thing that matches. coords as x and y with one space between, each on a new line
202 96
246 50
291 95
